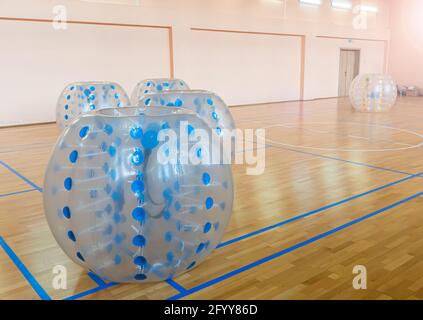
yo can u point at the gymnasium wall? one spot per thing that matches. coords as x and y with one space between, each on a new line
406 50
248 51
324 62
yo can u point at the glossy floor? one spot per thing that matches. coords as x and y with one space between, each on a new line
340 189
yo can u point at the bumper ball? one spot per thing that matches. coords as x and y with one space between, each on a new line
122 201
373 93
156 85
208 106
82 97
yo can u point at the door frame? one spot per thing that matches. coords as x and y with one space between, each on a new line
358 61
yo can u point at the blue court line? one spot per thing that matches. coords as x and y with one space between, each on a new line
290 249
100 282
32 184
310 213
25 272
338 159
17 192
91 291
176 286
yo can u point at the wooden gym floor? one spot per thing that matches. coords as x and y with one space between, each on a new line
340 189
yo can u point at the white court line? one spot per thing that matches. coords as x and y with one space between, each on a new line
295 125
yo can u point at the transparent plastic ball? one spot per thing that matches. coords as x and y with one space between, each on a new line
118 206
373 93
208 106
156 85
83 97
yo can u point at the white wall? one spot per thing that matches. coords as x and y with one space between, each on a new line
242 68
37 62
324 59
406 50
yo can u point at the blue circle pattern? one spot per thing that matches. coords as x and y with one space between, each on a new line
148 141
91 97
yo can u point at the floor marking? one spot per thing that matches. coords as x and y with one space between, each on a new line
25 272
341 149
310 213
96 278
339 159
180 288
290 249
32 184
91 291
17 192
176 286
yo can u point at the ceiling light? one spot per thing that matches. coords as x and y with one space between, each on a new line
313 2
342 4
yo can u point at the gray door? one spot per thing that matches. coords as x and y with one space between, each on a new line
349 67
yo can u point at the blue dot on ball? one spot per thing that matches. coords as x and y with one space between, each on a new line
159 87
190 129
200 153
170 256
66 212
83 132
139 214
137 186
87 92
117 218
209 203
112 151
136 133
207 227
140 277
168 236
80 257
215 116
138 241
108 129
71 236
68 183
73 156
178 103
206 178
118 259
137 157
149 139
166 215
200 248
209 101
140 261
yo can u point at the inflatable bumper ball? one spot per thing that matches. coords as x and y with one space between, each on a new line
156 85
373 93
208 106
83 97
123 201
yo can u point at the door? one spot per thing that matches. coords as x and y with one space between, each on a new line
349 66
